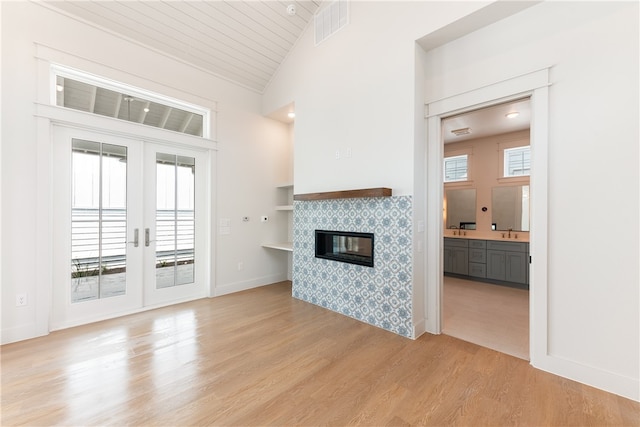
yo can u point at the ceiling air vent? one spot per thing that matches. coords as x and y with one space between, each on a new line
331 19
461 132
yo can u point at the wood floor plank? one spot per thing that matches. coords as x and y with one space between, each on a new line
260 357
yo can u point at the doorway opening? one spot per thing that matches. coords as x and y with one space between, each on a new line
486 167
535 86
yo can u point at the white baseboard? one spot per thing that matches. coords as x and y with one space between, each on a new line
604 380
419 328
30 330
94 319
248 284
20 333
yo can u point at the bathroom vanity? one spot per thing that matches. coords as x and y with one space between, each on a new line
500 262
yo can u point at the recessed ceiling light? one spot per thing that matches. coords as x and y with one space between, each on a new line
146 109
461 131
291 114
59 88
512 115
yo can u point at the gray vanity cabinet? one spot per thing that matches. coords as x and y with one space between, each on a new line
478 258
500 262
456 256
507 261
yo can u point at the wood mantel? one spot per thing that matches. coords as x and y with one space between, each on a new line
348 194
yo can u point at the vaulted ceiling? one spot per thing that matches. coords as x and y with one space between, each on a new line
242 41
246 41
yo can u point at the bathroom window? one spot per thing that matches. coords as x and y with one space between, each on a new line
517 161
456 168
85 92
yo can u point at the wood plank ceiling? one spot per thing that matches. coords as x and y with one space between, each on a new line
242 41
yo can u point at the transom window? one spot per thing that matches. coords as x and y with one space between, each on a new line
517 161
84 92
456 168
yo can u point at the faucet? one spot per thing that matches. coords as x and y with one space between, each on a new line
510 233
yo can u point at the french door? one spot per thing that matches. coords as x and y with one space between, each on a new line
175 224
129 217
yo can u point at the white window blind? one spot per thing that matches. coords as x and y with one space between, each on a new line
455 168
517 161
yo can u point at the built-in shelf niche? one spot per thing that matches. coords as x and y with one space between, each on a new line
286 196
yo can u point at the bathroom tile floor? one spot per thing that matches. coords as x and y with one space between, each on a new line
492 316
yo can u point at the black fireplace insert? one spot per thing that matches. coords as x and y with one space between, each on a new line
349 247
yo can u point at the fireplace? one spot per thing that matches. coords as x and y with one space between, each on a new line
381 295
349 247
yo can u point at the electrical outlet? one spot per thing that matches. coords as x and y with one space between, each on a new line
240 265
21 300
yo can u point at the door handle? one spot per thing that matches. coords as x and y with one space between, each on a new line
136 240
146 237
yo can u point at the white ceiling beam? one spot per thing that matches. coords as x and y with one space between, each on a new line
186 122
118 104
143 113
92 99
165 117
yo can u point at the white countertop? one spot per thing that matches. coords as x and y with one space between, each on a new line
522 236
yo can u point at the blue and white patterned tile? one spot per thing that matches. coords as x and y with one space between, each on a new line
379 295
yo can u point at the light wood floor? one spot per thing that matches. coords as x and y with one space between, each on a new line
261 357
492 316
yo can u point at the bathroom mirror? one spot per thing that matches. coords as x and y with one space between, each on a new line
461 209
510 207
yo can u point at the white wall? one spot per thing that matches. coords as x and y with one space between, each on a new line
249 162
419 200
593 262
356 90
253 158
1 287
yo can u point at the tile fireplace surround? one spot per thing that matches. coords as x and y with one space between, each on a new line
379 295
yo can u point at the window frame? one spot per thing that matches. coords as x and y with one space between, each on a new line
506 161
105 83
455 157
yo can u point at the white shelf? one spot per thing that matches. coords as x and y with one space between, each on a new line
285 196
285 246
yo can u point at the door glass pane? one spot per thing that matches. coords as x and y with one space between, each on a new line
186 219
98 220
175 220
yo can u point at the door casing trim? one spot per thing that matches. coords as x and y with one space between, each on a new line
533 85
